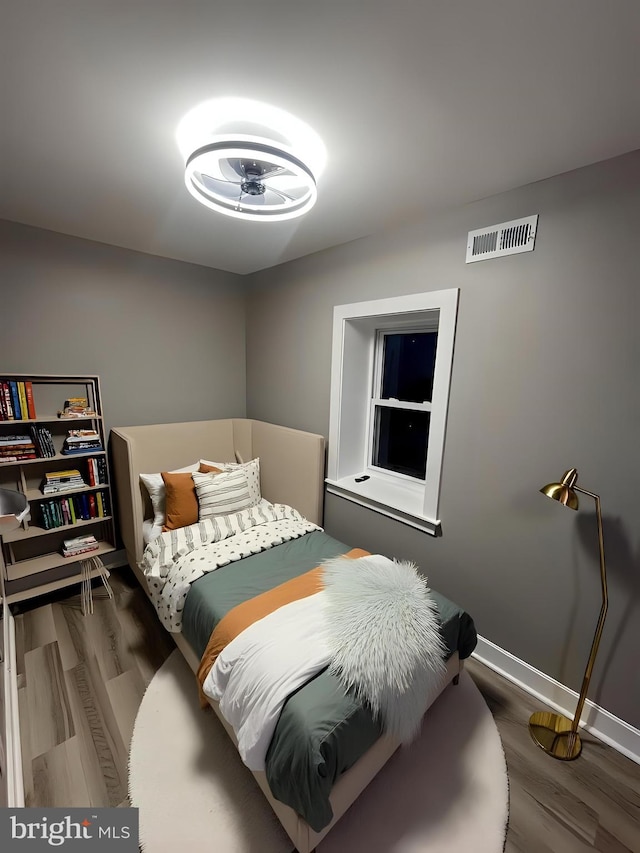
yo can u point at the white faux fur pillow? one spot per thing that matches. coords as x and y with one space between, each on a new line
384 634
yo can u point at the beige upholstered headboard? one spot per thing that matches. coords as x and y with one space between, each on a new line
291 464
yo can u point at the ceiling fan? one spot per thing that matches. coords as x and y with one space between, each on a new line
250 180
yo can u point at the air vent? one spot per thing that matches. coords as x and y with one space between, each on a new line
508 238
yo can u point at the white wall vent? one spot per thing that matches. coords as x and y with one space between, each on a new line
508 238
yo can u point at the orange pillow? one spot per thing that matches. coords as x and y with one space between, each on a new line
209 469
181 503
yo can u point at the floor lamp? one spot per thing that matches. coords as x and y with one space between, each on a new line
555 733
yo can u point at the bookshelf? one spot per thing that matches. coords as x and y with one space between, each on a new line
32 561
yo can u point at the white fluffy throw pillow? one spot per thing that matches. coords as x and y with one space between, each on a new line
385 638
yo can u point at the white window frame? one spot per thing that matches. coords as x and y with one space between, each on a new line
353 372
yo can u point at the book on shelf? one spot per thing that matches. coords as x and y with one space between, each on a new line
97 471
6 403
56 489
31 406
13 440
79 545
67 474
61 481
82 441
37 445
24 409
15 399
43 441
15 448
77 407
79 540
63 511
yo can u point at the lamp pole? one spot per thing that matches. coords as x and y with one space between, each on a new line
555 733
603 612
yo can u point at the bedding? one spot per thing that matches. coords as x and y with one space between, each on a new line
149 531
372 622
176 558
322 729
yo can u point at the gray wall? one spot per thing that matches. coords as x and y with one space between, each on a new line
545 377
166 338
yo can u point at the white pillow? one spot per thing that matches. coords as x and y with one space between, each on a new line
252 471
221 494
155 486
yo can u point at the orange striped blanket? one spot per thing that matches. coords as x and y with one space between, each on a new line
245 614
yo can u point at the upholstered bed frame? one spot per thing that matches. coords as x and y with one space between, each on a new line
291 472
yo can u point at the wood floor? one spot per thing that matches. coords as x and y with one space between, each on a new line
81 680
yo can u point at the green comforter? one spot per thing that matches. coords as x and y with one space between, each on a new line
322 730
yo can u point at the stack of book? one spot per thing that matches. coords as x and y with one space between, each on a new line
77 407
61 512
16 401
62 481
82 441
79 545
43 441
15 448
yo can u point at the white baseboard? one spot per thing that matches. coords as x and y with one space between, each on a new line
595 720
15 785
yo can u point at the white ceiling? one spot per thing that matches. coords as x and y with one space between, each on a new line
422 105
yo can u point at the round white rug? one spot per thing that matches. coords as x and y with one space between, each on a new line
446 793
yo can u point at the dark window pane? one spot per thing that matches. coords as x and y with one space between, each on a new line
407 368
400 441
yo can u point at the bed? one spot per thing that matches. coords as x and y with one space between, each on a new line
338 760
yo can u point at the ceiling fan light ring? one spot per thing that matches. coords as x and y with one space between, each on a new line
241 207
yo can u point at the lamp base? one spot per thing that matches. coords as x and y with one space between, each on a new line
552 732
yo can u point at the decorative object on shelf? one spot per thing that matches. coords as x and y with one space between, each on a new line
76 407
14 509
556 734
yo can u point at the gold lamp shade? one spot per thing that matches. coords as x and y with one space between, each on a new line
563 491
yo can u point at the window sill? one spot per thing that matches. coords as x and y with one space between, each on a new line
397 502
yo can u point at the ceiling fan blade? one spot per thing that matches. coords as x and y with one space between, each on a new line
228 189
275 171
282 195
248 200
231 169
288 183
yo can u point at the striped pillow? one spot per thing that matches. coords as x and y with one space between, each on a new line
221 494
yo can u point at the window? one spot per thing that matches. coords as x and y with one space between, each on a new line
401 401
390 378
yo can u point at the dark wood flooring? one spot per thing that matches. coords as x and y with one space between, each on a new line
81 680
